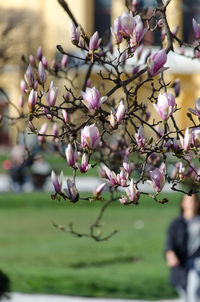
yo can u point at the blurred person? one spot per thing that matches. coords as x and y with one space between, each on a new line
183 250
19 163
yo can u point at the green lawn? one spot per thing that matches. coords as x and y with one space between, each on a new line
41 259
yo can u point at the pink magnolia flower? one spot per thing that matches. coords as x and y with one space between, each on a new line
99 190
21 101
52 94
44 62
120 112
41 73
186 141
55 129
42 131
64 61
128 24
132 192
158 179
196 110
57 182
84 166
29 76
32 99
137 33
46 112
72 191
90 136
74 32
66 116
124 200
23 86
196 137
92 99
71 155
128 167
39 53
160 130
94 42
165 105
112 118
116 31
122 178
156 62
32 60
112 176
140 139
196 28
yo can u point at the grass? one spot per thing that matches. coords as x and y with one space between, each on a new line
39 258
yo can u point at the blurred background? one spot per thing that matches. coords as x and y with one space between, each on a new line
35 256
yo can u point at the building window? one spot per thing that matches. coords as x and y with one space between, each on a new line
102 16
191 9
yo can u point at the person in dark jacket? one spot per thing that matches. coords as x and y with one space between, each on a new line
183 250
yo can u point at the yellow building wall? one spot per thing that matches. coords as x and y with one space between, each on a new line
55 30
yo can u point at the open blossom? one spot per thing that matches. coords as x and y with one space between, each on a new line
90 136
84 166
132 193
187 140
158 179
57 182
196 28
71 191
32 99
165 105
113 181
140 139
99 190
71 155
74 32
196 110
122 178
92 99
137 33
128 26
120 112
156 62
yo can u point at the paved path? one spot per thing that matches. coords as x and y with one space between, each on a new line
84 184
17 297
